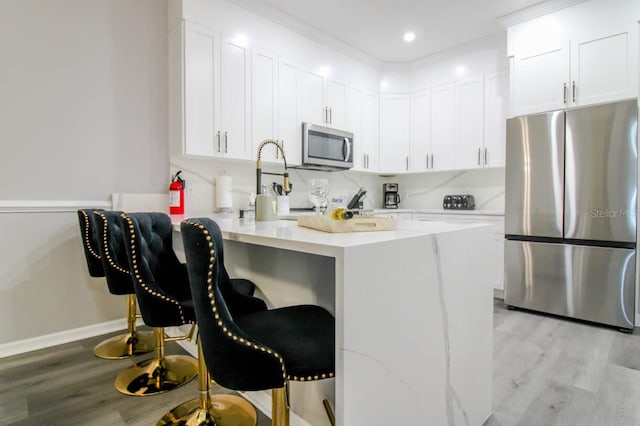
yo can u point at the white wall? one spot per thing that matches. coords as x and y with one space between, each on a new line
83 107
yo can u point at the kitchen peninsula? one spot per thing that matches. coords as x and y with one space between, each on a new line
413 312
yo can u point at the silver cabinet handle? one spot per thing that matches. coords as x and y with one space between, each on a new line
573 91
427 161
432 161
485 156
478 156
364 161
226 143
564 93
218 135
330 115
407 162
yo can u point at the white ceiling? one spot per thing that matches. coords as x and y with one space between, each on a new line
376 27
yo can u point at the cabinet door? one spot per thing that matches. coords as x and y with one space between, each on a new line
540 80
469 124
313 106
442 127
336 104
496 90
395 111
605 66
263 103
201 91
370 131
356 123
419 158
235 100
289 128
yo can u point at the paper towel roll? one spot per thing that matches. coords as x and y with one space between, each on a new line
223 193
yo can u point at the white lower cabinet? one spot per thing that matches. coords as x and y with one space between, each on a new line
495 245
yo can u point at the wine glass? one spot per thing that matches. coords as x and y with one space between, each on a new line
318 192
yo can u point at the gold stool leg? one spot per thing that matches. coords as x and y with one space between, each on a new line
208 409
280 406
159 374
126 345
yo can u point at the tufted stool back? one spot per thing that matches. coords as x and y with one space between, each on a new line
233 358
113 252
90 241
160 280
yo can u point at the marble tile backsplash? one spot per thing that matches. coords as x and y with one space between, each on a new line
417 191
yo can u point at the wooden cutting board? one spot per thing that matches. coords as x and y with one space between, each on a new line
356 224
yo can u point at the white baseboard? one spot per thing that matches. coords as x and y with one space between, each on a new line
498 293
61 337
260 399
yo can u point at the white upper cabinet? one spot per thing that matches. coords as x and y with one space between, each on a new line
289 127
209 94
235 100
539 79
324 101
336 104
194 115
395 113
356 125
604 66
313 105
496 95
420 145
264 106
469 149
370 131
442 127
363 123
578 56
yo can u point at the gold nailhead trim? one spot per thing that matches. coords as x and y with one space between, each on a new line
105 245
137 273
87 240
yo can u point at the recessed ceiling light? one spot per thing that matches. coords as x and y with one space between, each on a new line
409 37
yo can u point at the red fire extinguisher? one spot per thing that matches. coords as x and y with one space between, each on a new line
176 194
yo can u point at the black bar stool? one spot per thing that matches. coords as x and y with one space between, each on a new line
102 264
255 350
145 240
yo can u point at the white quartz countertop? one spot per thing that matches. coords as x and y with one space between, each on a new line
287 234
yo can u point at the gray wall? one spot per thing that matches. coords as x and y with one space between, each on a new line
83 107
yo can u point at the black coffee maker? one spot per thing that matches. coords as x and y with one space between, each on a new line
390 195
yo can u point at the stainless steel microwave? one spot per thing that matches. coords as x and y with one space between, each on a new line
324 148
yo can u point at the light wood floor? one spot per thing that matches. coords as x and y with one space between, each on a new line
68 385
547 371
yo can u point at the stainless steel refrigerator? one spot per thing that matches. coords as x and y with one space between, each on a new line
570 213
